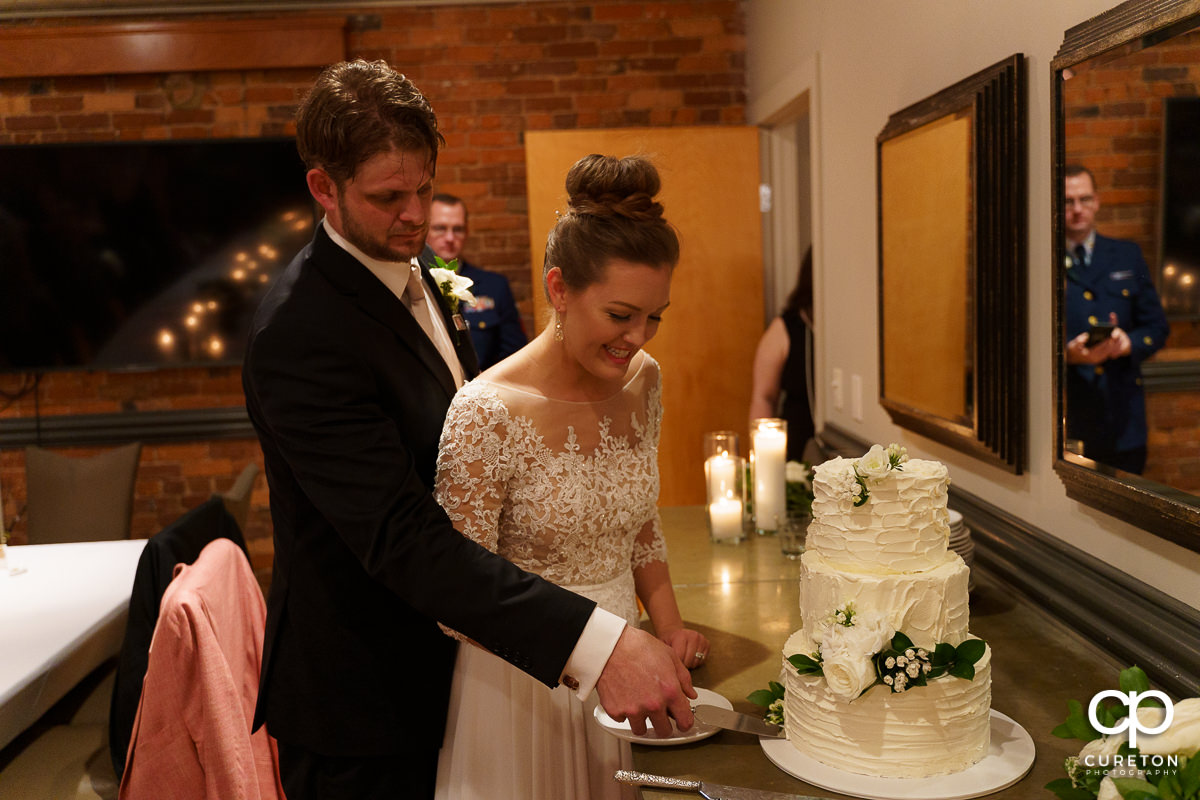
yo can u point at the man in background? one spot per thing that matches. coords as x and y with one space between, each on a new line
1115 321
493 320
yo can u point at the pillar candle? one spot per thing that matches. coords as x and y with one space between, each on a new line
722 472
725 519
770 478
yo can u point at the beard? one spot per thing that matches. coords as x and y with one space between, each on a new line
379 248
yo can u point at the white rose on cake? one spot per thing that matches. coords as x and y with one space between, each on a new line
848 677
875 464
847 653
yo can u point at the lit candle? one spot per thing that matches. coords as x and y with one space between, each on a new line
725 519
722 472
769 441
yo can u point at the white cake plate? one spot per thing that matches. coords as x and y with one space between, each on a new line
1009 757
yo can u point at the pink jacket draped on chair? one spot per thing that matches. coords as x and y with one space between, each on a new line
191 738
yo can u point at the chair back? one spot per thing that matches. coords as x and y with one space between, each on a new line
72 499
237 499
192 735
181 542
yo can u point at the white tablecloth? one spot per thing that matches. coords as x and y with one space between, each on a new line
62 614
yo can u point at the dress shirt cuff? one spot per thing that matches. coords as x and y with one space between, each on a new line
591 652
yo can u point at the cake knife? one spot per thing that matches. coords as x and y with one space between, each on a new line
731 720
711 791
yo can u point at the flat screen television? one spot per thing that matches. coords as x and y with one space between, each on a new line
1179 281
140 255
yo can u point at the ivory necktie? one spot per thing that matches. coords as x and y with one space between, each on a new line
415 293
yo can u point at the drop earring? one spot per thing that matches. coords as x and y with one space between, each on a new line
558 334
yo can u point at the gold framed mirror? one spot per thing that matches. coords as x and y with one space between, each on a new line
952 265
1116 85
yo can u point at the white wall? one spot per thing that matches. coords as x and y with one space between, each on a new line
877 57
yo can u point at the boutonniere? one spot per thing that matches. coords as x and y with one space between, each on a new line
455 289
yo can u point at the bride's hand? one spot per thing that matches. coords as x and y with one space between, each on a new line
691 646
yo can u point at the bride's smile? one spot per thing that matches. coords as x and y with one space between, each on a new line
604 325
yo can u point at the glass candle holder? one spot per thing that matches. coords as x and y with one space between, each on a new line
768 468
724 471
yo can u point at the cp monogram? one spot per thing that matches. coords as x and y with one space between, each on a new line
1131 700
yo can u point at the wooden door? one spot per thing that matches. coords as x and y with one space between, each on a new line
707 340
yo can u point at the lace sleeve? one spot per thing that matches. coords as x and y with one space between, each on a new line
472 465
472 469
649 546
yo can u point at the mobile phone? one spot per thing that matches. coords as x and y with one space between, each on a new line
1097 334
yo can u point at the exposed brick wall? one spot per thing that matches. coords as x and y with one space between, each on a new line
1173 446
492 71
1114 126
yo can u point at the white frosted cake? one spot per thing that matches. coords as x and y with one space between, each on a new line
877 565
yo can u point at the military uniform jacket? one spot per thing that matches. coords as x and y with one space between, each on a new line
1106 405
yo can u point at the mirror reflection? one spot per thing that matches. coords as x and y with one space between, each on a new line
1131 229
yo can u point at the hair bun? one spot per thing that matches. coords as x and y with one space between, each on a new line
606 186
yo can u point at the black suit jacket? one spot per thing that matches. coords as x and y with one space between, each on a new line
348 397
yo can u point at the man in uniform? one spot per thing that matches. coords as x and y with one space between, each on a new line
1108 284
493 319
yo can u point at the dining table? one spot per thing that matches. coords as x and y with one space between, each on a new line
62 614
745 598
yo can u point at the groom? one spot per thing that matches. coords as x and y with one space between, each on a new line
350 368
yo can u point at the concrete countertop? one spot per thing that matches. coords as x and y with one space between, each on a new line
745 599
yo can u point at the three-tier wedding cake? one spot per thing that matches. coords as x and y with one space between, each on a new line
884 678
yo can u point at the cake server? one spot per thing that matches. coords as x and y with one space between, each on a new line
711 791
731 720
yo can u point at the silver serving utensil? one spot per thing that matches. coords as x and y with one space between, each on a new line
711 791
731 720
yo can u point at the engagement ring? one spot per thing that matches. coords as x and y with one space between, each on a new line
699 656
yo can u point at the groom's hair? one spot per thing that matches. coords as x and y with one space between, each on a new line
358 109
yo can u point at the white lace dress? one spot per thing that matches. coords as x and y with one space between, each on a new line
567 490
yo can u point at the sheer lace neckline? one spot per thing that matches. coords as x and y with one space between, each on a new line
645 358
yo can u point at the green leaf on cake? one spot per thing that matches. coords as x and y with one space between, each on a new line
965 657
805 665
900 642
764 697
970 651
943 655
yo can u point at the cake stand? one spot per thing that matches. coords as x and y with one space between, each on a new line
1009 757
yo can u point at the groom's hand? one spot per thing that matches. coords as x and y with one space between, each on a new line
644 678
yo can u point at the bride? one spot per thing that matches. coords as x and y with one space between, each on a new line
550 459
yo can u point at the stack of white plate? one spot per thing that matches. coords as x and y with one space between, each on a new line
960 542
